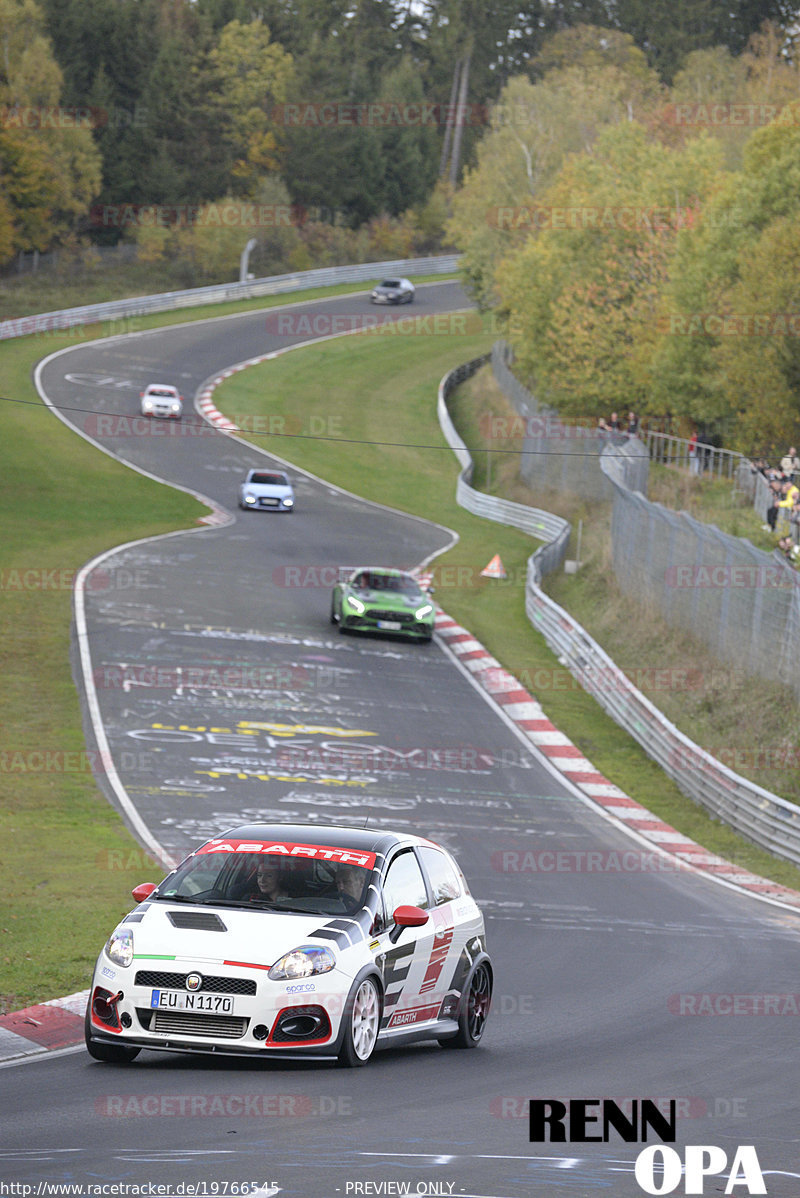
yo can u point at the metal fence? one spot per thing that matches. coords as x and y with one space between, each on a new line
760 816
742 603
707 459
555 455
167 301
551 529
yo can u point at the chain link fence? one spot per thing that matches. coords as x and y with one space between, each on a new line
767 819
741 602
558 456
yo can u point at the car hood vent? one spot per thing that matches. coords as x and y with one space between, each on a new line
199 921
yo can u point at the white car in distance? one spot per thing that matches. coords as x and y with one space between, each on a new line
266 490
161 400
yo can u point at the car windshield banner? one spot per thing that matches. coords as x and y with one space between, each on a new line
312 852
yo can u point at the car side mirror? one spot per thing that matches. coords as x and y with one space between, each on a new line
407 917
143 891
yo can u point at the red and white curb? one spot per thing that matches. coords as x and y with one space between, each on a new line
43 1027
205 404
527 714
59 1022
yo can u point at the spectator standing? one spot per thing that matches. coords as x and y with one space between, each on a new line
790 464
703 452
776 494
614 425
633 424
694 455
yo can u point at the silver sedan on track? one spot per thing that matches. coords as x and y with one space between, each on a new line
393 291
266 490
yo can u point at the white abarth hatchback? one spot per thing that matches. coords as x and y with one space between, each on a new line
295 941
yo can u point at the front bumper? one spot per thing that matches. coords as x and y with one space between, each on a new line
270 1020
266 503
161 413
369 622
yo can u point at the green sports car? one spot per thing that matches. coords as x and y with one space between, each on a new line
375 599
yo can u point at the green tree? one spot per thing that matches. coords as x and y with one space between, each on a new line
583 296
533 129
49 167
706 369
254 76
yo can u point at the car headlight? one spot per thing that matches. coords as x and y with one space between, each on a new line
119 947
423 611
148 405
302 962
249 498
288 502
358 607
176 407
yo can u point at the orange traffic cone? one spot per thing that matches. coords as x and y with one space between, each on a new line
495 569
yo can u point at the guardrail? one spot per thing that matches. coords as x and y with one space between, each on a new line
674 451
543 525
167 301
756 813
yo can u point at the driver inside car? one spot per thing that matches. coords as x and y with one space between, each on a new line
267 883
350 885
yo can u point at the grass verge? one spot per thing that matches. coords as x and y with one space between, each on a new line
67 860
319 385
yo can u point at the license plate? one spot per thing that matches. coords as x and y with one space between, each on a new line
270 502
390 625
178 1000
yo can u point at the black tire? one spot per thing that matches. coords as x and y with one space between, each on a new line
115 1054
362 1022
474 1009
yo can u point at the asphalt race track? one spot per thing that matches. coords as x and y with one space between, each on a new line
226 695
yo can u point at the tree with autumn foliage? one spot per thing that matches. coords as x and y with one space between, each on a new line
583 295
591 78
49 166
733 355
254 78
